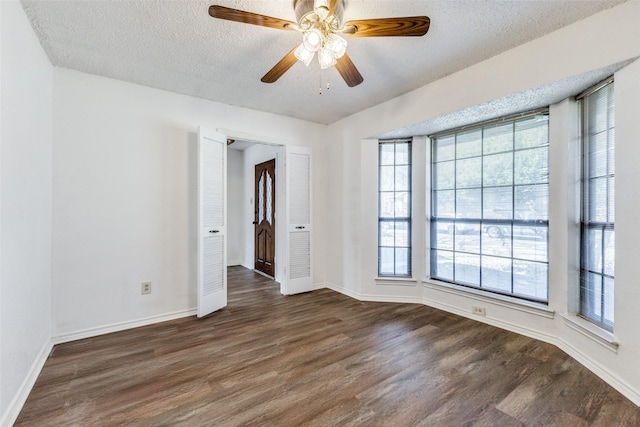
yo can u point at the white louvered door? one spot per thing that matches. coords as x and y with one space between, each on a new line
299 232
212 221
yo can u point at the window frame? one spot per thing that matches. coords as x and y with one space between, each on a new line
484 224
586 299
407 220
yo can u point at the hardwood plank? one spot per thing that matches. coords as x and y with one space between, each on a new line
318 359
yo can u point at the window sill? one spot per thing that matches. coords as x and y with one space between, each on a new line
396 281
589 330
501 300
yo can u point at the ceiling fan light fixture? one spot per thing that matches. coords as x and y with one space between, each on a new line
303 54
320 22
336 45
326 58
312 39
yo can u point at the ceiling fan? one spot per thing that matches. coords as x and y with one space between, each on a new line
320 22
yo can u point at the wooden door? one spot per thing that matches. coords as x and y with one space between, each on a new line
212 218
265 214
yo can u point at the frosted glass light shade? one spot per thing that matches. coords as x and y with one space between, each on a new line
326 58
336 44
312 39
305 56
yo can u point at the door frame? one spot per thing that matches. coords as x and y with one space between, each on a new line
281 229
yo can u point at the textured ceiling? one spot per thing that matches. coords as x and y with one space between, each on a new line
176 46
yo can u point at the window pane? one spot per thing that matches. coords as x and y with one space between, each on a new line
386 178
592 257
467 268
402 262
496 273
402 178
442 234
387 154
467 237
444 204
598 200
468 203
497 203
611 151
386 233
444 175
530 133
498 138
532 202
402 153
609 252
442 264
498 169
608 301
386 263
496 239
599 111
530 279
469 144
591 302
444 149
387 205
401 234
598 150
469 173
402 205
530 242
611 202
531 166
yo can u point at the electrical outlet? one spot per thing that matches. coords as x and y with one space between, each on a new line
146 288
480 311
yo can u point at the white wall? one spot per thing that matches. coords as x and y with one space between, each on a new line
124 200
25 208
576 49
235 199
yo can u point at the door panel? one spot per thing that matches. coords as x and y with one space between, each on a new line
265 214
212 219
299 230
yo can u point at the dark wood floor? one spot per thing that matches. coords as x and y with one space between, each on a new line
319 359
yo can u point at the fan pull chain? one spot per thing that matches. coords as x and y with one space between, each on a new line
328 83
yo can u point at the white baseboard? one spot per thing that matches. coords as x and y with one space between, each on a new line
14 408
234 263
120 326
373 297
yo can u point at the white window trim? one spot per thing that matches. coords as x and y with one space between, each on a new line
591 331
396 281
514 303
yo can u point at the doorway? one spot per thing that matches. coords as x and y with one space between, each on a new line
264 217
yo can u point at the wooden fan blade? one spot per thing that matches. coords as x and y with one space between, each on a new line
388 27
236 15
348 71
280 68
332 6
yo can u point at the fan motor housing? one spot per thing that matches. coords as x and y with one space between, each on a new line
303 7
